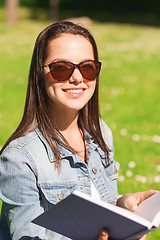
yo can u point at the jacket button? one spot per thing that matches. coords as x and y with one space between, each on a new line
95 170
61 196
111 202
115 169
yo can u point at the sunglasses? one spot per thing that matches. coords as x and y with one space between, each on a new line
63 70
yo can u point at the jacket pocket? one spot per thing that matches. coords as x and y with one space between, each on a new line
53 193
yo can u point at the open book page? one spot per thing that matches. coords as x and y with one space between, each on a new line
150 209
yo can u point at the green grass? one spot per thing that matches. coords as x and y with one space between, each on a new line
129 93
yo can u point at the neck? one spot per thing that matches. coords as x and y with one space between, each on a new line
65 121
67 124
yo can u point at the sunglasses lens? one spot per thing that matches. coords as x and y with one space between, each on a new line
61 71
90 69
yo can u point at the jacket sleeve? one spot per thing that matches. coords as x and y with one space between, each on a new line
21 197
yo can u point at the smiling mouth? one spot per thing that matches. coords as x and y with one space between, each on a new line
74 90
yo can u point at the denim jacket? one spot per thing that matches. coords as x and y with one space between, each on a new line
30 183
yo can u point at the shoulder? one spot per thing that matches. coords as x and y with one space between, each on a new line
22 142
25 148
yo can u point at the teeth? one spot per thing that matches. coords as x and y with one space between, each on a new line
74 90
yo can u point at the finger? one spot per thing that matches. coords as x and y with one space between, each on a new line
141 196
143 238
103 235
145 195
130 202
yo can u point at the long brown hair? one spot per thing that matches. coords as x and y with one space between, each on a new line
36 113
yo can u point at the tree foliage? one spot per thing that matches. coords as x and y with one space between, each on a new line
141 6
111 5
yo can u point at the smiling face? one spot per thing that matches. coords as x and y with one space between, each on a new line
73 94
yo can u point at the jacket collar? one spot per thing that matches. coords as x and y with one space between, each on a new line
64 153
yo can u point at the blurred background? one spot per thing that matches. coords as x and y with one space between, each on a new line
126 11
128 37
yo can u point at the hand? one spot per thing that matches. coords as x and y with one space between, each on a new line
131 201
103 235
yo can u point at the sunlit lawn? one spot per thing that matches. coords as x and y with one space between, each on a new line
129 94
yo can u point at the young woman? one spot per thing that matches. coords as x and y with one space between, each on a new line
61 144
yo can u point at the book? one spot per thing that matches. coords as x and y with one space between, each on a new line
80 217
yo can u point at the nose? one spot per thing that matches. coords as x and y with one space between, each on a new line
76 77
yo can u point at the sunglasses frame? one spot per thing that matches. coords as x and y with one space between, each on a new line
78 66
